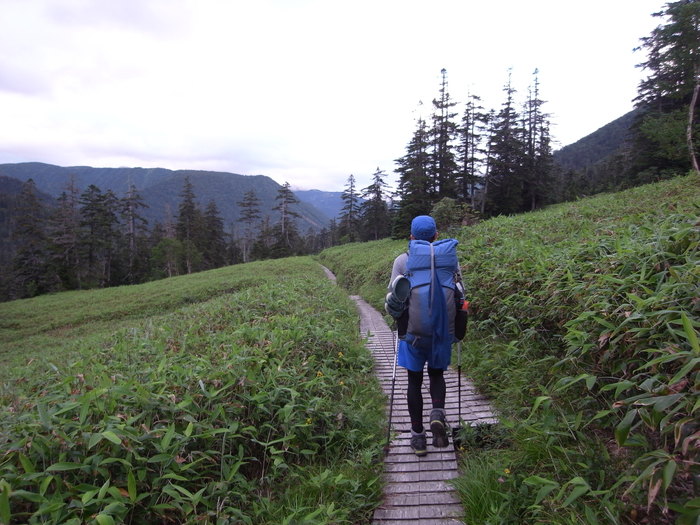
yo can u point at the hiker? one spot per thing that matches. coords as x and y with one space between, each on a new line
413 353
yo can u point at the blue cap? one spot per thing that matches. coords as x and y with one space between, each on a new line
423 228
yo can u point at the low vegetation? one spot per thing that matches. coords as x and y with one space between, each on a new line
239 395
584 332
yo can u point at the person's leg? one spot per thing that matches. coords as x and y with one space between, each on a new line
414 396
437 387
437 414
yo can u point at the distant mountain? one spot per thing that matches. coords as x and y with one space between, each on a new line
329 202
161 188
597 146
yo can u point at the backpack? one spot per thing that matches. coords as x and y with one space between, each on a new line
432 304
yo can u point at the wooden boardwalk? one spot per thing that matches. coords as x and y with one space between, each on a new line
417 490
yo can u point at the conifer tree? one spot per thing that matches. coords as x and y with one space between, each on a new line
98 212
374 212
443 170
537 162
214 238
506 180
414 191
250 216
286 232
31 261
135 235
64 238
189 227
350 212
470 149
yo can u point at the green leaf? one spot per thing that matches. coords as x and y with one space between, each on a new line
67 408
5 513
623 429
111 436
188 430
88 496
64 466
104 519
544 491
84 411
131 485
669 471
43 415
29 496
167 438
690 333
103 489
45 484
690 365
27 464
579 490
94 440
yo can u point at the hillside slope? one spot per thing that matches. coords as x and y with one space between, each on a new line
584 329
596 146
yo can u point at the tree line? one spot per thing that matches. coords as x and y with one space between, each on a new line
96 239
480 163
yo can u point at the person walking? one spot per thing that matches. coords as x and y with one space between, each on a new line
436 354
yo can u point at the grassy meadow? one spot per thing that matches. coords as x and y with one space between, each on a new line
245 394
584 332
239 395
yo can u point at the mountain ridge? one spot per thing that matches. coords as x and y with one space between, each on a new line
160 189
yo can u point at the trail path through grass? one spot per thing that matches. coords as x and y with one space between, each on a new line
417 490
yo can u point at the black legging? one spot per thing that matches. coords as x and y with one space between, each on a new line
415 396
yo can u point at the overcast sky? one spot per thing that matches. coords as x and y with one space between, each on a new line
304 91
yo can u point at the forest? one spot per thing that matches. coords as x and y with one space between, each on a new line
460 166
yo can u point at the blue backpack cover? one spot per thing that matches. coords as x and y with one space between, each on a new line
431 269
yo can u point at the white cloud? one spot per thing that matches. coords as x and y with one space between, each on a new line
305 91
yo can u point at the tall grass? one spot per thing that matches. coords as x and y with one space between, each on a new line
248 398
584 331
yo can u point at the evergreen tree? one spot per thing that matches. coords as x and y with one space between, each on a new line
250 216
443 168
671 92
167 256
470 149
506 178
99 235
189 227
262 247
414 191
537 167
135 226
64 238
285 232
350 212
31 261
374 212
214 238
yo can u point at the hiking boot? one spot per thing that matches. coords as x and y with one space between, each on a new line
419 444
439 428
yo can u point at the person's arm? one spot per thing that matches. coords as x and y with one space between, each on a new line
392 304
399 268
